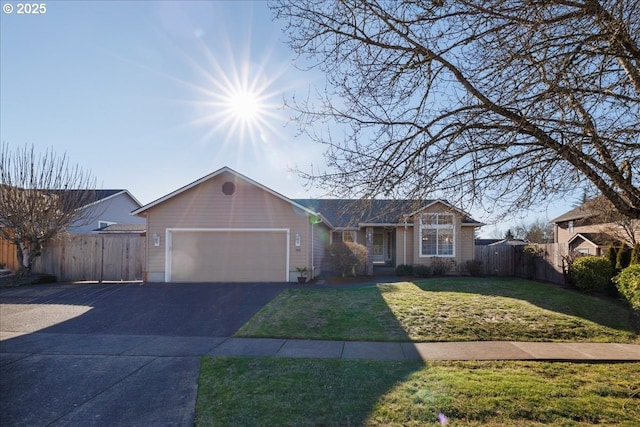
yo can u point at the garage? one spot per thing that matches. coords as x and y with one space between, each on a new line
227 255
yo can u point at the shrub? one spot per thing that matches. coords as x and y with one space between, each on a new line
347 257
635 255
628 284
591 273
567 267
612 256
404 270
421 270
441 266
474 267
623 258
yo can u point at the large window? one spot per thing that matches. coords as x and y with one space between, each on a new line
437 234
345 236
349 236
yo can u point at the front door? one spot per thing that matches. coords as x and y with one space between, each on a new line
378 245
382 245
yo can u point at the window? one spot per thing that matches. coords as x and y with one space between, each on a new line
103 224
349 236
345 236
437 234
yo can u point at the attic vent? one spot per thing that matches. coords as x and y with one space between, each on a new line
228 188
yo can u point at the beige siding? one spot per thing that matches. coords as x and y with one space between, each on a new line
467 245
586 248
563 234
404 241
205 206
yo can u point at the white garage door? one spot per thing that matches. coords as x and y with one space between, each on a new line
229 255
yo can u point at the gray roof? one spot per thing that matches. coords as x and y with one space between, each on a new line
351 213
598 239
123 229
582 211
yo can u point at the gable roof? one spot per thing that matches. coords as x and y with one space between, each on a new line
93 196
582 211
596 239
353 213
212 175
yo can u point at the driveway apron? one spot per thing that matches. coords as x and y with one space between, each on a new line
113 354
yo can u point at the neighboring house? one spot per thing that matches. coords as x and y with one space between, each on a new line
508 242
227 227
588 229
108 207
487 242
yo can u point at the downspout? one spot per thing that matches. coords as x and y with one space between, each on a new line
404 243
313 268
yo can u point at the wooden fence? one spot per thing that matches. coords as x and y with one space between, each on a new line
8 257
512 261
94 257
122 257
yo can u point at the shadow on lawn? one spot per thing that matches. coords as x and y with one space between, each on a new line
309 391
605 311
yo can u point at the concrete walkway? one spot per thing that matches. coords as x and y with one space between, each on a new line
16 345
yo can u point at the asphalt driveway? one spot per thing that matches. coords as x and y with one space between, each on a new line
113 354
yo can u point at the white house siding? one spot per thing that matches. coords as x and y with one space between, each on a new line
205 206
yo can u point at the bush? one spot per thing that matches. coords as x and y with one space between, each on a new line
623 258
421 270
628 284
347 258
591 273
474 267
635 255
441 266
404 270
612 255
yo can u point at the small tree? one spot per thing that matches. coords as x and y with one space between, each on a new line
635 255
612 256
36 201
623 258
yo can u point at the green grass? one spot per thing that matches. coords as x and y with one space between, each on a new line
449 309
311 392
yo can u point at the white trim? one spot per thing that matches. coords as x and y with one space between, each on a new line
168 243
438 227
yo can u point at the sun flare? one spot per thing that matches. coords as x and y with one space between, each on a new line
244 105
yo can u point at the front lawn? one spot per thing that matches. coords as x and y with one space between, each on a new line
312 392
448 309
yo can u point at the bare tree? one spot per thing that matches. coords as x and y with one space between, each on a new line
538 231
499 104
40 196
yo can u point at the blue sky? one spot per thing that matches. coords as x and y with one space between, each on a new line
147 96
